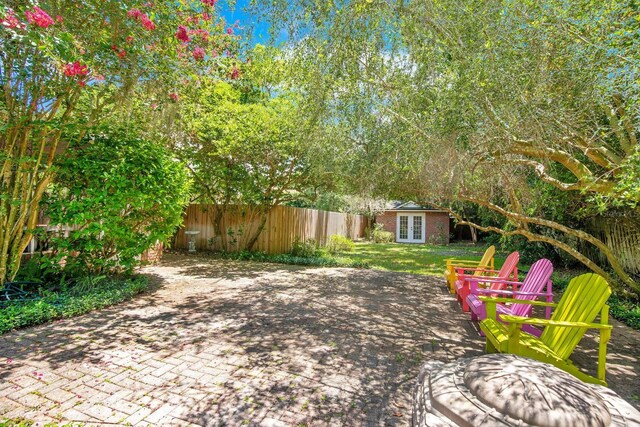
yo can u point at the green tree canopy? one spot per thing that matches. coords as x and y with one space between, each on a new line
244 147
526 108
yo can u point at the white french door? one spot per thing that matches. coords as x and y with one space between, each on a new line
410 228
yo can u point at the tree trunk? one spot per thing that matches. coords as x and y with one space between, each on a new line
218 230
474 235
256 234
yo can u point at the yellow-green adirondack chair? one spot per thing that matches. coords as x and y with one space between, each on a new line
584 299
453 263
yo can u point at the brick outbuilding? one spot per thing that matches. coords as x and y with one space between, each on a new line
412 223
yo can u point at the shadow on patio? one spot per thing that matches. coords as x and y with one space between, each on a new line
223 342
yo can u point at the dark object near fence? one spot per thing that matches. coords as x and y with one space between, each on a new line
14 292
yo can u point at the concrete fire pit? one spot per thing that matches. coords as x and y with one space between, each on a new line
508 390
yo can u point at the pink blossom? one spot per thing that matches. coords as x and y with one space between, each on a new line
147 23
122 54
100 77
181 34
134 13
229 30
198 53
235 73
206 16
11 21
39 17
214 53
144 19
174 96
209 2
59 19
154 106
130 39
9 360
204 34
75 69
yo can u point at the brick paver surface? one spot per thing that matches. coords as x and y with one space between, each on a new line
229 343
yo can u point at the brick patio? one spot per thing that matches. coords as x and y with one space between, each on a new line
228 343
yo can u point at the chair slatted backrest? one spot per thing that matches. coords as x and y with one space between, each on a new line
538 276
582 302
485 262
510 265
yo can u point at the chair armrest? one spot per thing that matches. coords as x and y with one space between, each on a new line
519 301
496 280
548 322
468 264
460 261
478 278
478 269
516 293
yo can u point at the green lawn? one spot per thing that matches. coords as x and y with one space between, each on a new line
417 258
430 260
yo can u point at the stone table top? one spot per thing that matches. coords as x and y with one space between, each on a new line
509 390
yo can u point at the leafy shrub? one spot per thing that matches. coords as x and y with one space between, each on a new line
368 233
531 251
119 195
626 311
379 235
338 243
305 249
69 303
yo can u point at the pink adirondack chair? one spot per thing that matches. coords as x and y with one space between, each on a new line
509 270
531 288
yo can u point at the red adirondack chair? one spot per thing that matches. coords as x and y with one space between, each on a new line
508 271
531 288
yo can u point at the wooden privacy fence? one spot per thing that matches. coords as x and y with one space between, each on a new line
622 235
284 225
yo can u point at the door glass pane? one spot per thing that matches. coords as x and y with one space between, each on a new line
404 227
417 227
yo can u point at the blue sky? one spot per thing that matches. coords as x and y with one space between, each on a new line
255 30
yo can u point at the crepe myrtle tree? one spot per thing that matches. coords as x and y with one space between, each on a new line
65 64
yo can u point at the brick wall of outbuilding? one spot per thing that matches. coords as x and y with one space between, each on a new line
388 220
436 225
